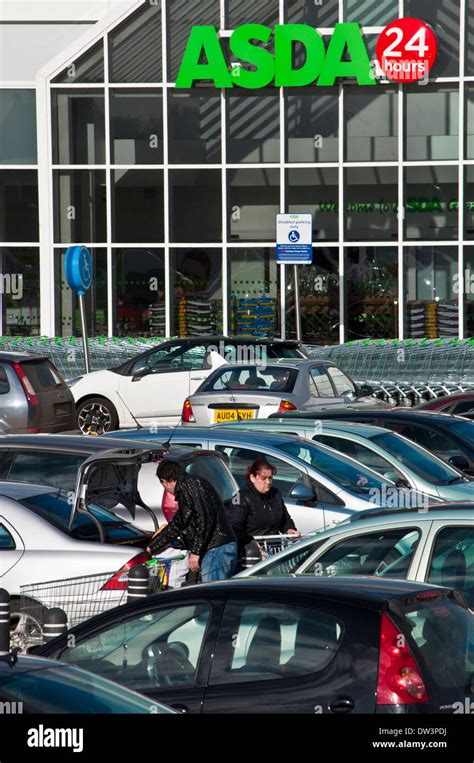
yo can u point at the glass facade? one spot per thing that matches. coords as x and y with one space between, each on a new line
176 191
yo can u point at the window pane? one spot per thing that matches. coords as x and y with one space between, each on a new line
240 12
240 458
311 126
6 540
136 126
443 17
79 204
19 205
139 292
432 123
254 202
137 210
469 38
41 469
319 297
253 291
469 203
372 292
182 16
196 287
319 384
431 207
20 300
469 137
135 47
68 318
253 128
322 15
18 127
315 191
87 68
195 205
270 641
469 286
431 304
371 123
371 203
371 12
194 127
78 127
452 561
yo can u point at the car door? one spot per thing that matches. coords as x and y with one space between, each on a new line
12 547
163 651
298 655
167 383
449 557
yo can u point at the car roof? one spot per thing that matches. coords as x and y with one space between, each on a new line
27 664
294 363
76 443
445 510
397 414
365 430
10 357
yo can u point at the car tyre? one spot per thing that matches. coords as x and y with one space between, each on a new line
26 627
96 415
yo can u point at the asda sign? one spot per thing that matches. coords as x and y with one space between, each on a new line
406 51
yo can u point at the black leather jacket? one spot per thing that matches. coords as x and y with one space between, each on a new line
200 521
253 513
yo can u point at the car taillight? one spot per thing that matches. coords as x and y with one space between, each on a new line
118 582
26 384
187 416
285 405
399 679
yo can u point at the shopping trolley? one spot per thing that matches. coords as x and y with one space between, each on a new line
265 546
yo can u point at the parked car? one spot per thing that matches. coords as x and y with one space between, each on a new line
33 395
435 546
320 486
35 685
451 438
387 453
286 645
459 403
154 384
243 392
55 460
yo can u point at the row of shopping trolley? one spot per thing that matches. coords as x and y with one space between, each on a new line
81 598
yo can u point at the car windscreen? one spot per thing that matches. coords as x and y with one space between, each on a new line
417 459
214 471
354 477
56 509
444 634
252 378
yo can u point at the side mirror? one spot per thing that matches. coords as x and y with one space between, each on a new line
301 492
365 390
138 375
459 462
399 481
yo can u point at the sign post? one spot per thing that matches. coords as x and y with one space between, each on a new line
294 237
78 266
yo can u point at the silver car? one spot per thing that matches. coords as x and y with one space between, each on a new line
388 453
435 546
240 392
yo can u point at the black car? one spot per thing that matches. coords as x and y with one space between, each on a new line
449 437
285 645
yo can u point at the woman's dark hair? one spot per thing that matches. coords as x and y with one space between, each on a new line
169 471
257 467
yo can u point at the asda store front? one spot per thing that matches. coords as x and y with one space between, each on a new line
172 138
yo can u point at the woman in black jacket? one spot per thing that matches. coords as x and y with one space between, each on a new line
259 508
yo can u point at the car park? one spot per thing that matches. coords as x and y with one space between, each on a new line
449 437
33 395
388 453
253 391
320 486
435 546
285 645
35 686
153 384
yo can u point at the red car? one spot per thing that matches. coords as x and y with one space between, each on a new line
460 403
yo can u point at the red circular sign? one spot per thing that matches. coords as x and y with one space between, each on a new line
406 50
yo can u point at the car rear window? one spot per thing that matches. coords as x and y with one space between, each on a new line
263 379
214 471
41 374
444 634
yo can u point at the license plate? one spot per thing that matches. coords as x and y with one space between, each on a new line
232 414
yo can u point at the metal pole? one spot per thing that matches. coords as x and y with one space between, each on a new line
87 364
4 621
297 303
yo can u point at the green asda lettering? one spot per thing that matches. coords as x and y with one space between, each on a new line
346 55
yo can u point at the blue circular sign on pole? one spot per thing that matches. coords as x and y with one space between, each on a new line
78 266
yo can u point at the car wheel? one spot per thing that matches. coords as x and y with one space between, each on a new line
26 624
96 416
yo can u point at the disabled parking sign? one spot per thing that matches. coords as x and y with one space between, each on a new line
294 235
